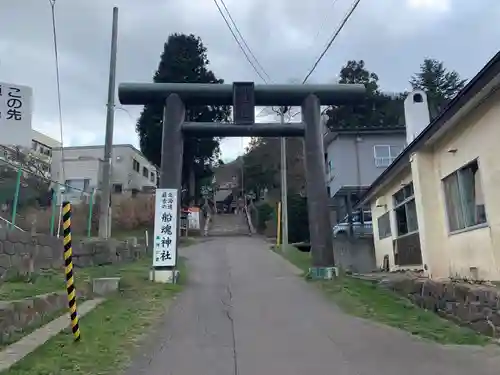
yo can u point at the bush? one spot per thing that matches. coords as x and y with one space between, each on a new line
298 219
264 212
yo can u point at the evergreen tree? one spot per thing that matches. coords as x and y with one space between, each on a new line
439 84
184 60
376 111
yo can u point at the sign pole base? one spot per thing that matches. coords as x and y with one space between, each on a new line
165 275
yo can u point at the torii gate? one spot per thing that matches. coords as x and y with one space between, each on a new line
244 96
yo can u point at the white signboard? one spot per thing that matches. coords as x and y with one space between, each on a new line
165 235
15 114
194 218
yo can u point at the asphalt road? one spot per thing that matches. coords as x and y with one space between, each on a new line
245 312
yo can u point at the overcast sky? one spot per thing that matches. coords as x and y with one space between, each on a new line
392 36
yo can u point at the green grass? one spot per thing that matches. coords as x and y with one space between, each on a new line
367 300
16 336
50 281
110 332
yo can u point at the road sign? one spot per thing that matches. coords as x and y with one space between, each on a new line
165 233
15 114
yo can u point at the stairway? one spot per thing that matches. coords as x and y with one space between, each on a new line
229 225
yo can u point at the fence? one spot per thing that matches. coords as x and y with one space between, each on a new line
28 198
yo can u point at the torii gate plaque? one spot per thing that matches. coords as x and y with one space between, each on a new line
244 96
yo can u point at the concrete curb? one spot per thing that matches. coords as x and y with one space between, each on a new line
292 267
20 349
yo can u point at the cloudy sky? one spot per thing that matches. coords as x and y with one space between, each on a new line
392 36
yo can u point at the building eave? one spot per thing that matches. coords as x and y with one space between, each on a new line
480 87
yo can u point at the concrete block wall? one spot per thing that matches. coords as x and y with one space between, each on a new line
23 253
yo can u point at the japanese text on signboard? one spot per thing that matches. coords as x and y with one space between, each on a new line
13 101
165 227
15 114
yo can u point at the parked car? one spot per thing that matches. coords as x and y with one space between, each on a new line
358 228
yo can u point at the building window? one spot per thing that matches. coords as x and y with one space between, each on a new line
328 191
384 226
464 198
77 185
405 210
117 188
135 165
152 177
385 155
145 172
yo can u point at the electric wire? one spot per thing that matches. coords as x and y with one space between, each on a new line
325 19
236 28
332 39
264 74
58 84
239 43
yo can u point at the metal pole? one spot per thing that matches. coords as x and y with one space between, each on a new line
284 185
243 177
317 197
91 207
53 205
16 197
104 223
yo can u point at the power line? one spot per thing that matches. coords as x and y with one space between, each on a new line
243 40
323 24
239 44
58 83
337 32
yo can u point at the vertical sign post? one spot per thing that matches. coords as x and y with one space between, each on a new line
165 231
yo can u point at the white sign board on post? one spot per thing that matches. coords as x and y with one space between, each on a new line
165 234
15 114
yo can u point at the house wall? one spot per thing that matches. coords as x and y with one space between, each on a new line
475 138
471 252
86 163
353 161
384 246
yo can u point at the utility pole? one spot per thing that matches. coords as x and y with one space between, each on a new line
104 217
284 184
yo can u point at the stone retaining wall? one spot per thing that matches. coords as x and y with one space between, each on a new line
17 316
474 305
24 253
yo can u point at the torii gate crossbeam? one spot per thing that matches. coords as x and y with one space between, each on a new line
244 96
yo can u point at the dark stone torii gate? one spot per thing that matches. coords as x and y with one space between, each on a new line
244 96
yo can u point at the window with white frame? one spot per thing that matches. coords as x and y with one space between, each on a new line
135 165
384 226
77 185
464 198
405 210
385 155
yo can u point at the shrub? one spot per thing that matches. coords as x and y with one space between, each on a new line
264 212
298 219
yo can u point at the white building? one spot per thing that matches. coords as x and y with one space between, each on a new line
37 159
130 170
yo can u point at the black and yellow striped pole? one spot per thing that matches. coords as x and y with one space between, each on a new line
68 269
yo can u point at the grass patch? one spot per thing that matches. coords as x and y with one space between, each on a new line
109 333
53 280
367 300
46 318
